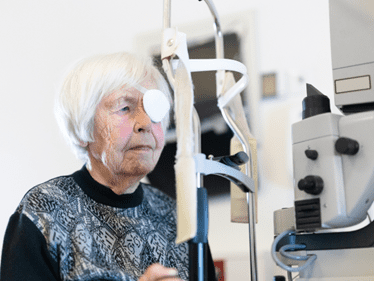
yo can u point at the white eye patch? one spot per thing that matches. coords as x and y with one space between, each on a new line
155 103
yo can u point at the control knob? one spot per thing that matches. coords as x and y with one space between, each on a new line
347 146
311 185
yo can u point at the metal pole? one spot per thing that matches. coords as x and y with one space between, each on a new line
243 140
197 130
218 43
167 13
249 196
201 247
197 143
167 24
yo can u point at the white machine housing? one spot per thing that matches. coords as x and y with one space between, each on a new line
352 41
348 180
345 174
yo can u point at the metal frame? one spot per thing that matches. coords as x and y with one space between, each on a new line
229 120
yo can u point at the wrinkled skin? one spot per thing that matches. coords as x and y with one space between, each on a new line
127 144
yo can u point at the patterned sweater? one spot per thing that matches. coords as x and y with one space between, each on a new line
73 228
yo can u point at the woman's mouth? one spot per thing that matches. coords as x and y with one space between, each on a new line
141 148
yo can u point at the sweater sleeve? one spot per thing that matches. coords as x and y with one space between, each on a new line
25 254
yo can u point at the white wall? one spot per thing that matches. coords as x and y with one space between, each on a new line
41 38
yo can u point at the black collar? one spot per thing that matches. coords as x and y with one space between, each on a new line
103 194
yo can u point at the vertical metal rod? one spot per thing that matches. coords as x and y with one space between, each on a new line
249 196
197 142
197 132
167 24
217 29
201 270
220 77
243 140
200 258
252 234
167 13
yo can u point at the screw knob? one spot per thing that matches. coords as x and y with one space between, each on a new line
311 154
347 146
311 185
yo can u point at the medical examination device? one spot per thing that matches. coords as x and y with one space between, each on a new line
332 156
191 165
333 164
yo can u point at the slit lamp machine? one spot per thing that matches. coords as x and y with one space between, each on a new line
333 163
332 158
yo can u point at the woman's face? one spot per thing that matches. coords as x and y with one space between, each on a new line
126 141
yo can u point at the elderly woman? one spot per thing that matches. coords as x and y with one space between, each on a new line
101 222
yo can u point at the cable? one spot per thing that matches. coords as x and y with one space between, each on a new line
285 248
309 259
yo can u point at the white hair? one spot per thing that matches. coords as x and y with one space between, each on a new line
88 82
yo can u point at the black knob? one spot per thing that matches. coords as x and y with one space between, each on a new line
311 154
347 146
315 102
279 278
234 161
311 185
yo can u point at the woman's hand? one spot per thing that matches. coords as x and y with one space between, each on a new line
157 272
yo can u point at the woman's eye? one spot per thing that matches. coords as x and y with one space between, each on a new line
126 108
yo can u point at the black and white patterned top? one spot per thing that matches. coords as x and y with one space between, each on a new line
73 228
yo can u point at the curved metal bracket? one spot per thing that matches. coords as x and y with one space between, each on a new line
210 167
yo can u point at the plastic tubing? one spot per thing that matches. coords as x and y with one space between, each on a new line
309 259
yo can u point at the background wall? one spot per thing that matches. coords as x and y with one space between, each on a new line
41 38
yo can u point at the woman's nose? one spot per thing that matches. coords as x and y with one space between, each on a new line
142 120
